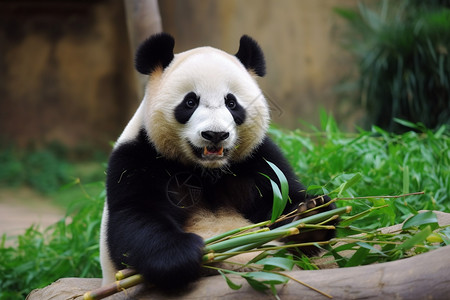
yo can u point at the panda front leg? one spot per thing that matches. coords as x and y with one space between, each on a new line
155 246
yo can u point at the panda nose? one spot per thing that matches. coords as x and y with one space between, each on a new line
215 136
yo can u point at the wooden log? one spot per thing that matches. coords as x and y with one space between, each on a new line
426 276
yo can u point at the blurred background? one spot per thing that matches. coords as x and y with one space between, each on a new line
68 86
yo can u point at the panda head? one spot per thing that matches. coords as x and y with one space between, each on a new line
203 106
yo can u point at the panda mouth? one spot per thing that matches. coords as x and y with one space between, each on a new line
209 152
212 152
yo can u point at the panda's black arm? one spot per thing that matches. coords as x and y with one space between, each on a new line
144 231
155 246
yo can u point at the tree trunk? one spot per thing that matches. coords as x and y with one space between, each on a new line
426 276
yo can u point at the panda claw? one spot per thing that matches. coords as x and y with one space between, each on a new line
311 204
320 200
301 207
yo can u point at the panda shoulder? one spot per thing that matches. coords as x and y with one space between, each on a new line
269 150
132 152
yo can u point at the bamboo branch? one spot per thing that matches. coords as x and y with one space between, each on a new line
113 288
388 197
231 243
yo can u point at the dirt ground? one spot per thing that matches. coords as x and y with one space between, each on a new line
20 208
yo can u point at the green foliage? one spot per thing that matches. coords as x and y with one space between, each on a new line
421 233
280 197
372 163
46 168
43 170
369 163
403 59
38 257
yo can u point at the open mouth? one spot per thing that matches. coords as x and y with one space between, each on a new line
209 152
212 151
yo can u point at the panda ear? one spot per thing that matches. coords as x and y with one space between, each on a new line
154 52
251 56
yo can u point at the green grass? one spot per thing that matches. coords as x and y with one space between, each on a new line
386 163
68 248
327 160
47 168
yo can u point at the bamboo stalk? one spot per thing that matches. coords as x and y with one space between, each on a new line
318 217
361 214
113 288
212 256
262 237
280 232
234 231
232 243
122 274
377 197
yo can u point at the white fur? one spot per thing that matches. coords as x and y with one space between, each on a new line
108 269
133 127
211 74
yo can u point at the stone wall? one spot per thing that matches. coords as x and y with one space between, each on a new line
65 72
300 38
66 66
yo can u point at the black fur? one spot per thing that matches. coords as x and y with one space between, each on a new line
155 52
145 226
251 55
236 110
186 108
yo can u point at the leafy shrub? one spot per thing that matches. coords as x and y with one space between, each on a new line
42 169
388 164
68 248
403 59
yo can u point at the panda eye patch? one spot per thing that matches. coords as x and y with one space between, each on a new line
236 110
231 101
191 100
187 107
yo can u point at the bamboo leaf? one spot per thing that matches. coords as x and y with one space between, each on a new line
230 283
255 284
416 239
422 219
278 202
362 214
280 197
267 277
371 248
282 179
358 257
445 235
407 123
346 185
279 262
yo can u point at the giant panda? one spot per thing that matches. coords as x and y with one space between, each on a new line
188 164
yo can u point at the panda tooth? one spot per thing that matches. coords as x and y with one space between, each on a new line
213 151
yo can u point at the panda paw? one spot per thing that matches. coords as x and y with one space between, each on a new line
316 235
177 265
310 203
